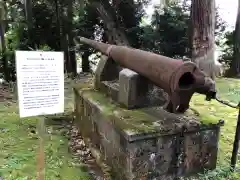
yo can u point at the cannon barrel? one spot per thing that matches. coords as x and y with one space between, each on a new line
178 78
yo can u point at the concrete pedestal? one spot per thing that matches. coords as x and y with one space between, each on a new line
146 142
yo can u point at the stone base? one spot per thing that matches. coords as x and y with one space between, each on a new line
145 143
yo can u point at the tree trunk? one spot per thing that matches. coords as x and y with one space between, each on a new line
114 34
85 61
2 39
28 14
202 35
3 20
63 36
64 44
71 51
235 64
6 72
129 20
58 23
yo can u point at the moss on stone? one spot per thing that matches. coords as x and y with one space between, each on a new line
208 119
83 85
130 121
133 121
204 110
204 119
137 116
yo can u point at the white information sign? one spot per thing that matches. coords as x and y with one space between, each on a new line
40 80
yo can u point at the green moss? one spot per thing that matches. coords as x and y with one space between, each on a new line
203 118
83 85
128 120
107 107
135 121
208 119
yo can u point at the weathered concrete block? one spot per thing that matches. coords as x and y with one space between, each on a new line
146 143
134 90
128 83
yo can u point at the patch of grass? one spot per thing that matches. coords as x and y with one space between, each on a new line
219 173
228 89
19 145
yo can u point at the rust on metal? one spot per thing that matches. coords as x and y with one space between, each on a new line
178 78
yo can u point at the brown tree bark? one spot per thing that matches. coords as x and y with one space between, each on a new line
72 67
6 72
3 24
85 61
235 64
63 34
28 16
2 33
58 22
107 13
202 35
114 34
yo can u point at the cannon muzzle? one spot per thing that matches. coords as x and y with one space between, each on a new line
178 78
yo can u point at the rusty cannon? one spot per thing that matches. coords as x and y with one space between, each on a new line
179 79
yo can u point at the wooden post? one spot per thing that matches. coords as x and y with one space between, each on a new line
236 142
40 155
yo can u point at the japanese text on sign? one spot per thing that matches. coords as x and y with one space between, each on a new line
40 79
